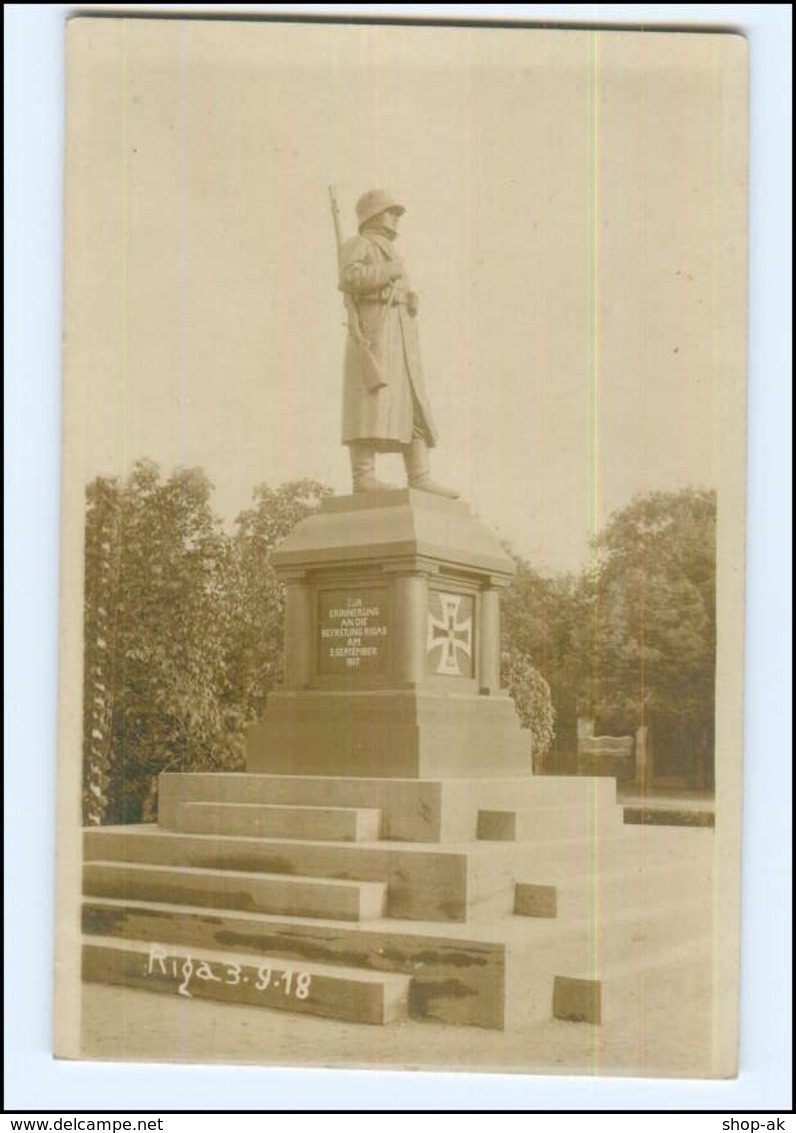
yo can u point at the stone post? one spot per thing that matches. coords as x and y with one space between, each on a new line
643 760
489 651
409 616
585 729
298 632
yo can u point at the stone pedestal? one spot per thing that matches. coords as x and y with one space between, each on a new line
392 646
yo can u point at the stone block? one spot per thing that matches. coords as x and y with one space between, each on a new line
545 806
345 994
391 525
454 980
232 889
535 900
577 1000
669 816
422 883
496 826
388 734
410 808
255 820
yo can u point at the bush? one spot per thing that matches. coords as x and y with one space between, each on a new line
531 695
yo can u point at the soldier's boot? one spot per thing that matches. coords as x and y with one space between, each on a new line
363 468
417 470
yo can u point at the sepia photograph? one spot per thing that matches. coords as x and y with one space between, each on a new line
402 547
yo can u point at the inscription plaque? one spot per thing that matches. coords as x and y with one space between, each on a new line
352 631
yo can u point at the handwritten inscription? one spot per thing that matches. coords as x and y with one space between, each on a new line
352 630
189 973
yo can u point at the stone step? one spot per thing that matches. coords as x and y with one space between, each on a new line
456 978
565 861
410 807
598 853
257 820
608 927
614 884
413 810
341 993
548 859
423 882
544 806
234 889
550 823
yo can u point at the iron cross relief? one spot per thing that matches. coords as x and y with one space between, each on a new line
453 632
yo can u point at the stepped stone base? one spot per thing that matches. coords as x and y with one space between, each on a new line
379 876
412 810
631 935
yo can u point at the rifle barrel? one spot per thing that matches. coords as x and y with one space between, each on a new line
336 218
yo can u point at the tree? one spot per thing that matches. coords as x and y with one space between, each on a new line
100 622
183 630
158 623
256 643
651 627
633 640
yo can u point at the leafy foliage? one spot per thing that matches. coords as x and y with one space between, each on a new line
531 694
256 650
100 621
650 635
541 619
652 623
633 641
169 648
183 631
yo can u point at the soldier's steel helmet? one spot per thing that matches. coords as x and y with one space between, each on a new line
373 202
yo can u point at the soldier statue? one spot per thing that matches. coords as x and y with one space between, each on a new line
385 405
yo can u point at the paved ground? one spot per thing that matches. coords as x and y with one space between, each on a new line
651 942
121 1025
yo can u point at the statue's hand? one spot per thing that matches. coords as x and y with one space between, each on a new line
396 268
412 302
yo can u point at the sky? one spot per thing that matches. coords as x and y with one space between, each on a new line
574 227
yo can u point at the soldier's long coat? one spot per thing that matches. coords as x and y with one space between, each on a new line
383 416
